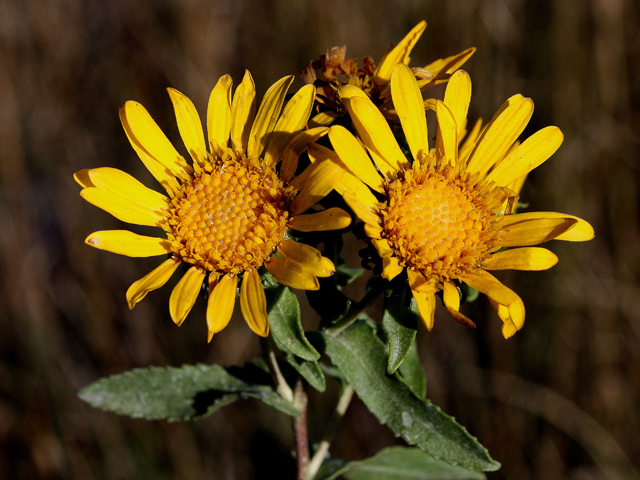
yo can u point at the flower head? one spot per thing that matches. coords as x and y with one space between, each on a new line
338 71
447 215
226 215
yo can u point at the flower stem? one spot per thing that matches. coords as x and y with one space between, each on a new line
345 322
299 425
269 355
323 448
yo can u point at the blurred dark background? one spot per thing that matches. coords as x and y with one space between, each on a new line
560 400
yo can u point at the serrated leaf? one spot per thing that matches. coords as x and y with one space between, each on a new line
412 373
184 393
362 357
400 463
400 325
285 324
310 371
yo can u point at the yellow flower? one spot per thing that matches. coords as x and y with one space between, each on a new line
372 80
447 216
226 214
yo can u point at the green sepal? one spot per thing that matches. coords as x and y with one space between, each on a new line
400 324
285 324
362 357
396 463
184 393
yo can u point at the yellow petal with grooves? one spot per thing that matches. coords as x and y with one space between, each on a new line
123 208
290 273
373 231
222 298
487 284
122 184
151 281
355 157
185 293
391 267
160 172
253 303
243 111
219 114
293 119
382 246
500 134
533 228
350 91
418 283
409 107
534 151
582 231
527 258
189 125
399 54
445 66
267 116
469 142
83 179
323 119
374 131
447 135
149 137
293 151
124 242
457 97
363 209
325 175
308 257
451 296
426 302
330 219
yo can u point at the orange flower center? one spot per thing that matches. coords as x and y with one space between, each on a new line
441 223
229 219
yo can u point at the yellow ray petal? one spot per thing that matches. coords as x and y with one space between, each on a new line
469 142
451 300
533 228
253 303
409 107
399 54
534 151
128 243
121 183
447 136
189 126
185 293
487 284
308 257
290 273
527 258
391 267
222 298
364 209
293 151
374 131
426 302
291 122
243 111
123 208
418 283
323 119
457 97
500 134
151 281
83 179
329 219
267 116
582 231
322 179
355 157
442 68
219 114
146 135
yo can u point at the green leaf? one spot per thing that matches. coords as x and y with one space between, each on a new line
400 463
412 373
310 371
362 357
184 393
400 325
285 324
345 275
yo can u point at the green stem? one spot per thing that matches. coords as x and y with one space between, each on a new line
323 448
345 322
269 355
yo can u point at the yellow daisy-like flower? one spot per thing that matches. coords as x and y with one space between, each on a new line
372 80
228 213
447 216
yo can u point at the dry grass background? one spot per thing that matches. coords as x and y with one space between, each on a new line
559 400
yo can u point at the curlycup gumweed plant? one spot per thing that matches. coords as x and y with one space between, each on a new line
246 218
